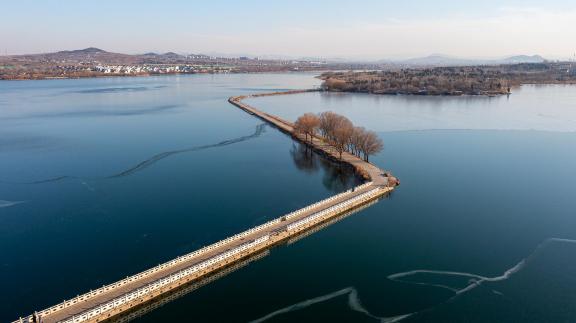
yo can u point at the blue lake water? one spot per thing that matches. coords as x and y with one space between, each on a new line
102 178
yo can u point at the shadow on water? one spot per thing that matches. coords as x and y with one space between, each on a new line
154 159
337 177
184 290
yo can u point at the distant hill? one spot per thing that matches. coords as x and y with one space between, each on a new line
93 56
90 54
89 50
524 59
437 60
444 60
97 55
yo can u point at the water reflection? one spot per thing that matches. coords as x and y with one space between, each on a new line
336 178
304 158
185 290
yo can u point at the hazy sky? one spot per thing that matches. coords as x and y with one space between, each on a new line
352 29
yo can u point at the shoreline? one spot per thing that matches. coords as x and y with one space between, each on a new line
425 94
49 78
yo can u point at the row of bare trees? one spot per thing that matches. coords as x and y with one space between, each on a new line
340 133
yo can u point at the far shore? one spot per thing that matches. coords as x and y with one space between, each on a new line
44 78
450 81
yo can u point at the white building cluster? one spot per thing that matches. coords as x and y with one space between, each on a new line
159 69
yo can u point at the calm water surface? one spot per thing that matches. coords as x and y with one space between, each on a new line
102 178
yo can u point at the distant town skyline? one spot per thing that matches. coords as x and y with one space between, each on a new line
363 29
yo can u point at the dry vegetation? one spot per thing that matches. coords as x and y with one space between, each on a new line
340 133
472 80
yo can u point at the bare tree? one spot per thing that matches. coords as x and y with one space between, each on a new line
341 134
433 81
299 126
356 138
307 124
335 84
371 144
328 121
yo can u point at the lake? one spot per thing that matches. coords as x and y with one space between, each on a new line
102 178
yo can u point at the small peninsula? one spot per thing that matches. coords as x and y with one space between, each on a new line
464 80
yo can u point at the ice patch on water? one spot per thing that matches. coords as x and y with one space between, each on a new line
353 302
4 203
304 304
90 188
476 280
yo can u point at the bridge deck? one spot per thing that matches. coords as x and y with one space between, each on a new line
102 298
278 230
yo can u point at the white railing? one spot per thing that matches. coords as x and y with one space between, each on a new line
335 208
162 282
187 257
328 200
